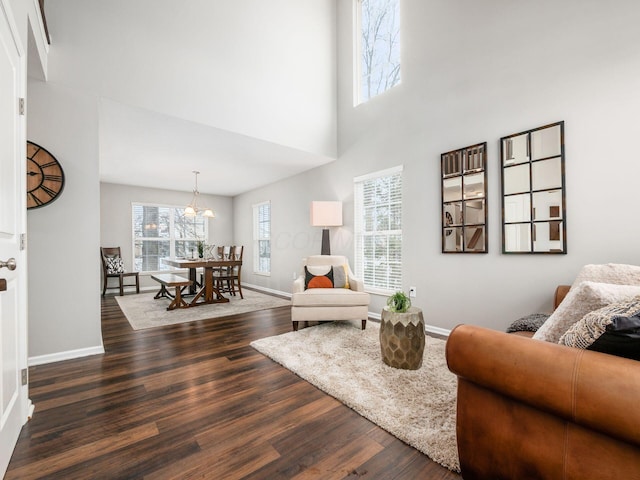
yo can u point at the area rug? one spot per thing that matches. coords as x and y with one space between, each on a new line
416 406
143 311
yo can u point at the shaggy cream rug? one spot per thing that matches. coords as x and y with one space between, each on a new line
416 406
143 311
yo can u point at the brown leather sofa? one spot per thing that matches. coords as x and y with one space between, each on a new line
529 409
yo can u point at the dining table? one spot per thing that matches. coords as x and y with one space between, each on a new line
208 292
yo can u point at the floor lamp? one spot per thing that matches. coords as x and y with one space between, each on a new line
326 214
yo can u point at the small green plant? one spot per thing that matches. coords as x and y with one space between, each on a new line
399 302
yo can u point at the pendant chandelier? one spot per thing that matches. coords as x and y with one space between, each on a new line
193 209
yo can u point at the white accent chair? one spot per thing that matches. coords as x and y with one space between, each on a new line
329 304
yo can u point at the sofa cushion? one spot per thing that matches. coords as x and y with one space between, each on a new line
582 299
321 297
318 280
613 329
616 273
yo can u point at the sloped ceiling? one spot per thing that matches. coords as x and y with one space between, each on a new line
242 91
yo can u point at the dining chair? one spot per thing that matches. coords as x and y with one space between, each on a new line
113 267
228 278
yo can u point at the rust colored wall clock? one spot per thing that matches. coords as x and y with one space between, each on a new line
45 178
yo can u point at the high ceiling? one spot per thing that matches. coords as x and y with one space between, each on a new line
243 92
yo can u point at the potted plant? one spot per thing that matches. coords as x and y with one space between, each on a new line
402 333
399 302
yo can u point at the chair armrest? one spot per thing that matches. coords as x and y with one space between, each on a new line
356 284
298 285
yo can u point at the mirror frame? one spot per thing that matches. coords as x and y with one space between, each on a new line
460 164
553 225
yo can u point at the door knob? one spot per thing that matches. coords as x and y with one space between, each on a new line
10 264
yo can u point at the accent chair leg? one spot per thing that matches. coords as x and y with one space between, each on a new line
121 286
295 326
364 324
137 284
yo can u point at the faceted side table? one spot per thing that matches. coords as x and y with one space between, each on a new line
402 338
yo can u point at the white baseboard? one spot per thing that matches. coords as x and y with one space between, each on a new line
428 328
266 290
437 330
372 315
68 355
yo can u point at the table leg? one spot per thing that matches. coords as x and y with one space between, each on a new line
192 277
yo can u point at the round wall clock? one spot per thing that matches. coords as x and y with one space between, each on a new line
45 178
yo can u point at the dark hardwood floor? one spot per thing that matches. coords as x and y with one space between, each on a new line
196 401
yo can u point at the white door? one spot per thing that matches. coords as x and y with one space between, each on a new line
14 403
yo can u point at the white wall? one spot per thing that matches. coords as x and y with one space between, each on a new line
474 72
63 237
261 69
115 217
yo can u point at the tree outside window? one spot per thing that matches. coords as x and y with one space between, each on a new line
379 46
164 231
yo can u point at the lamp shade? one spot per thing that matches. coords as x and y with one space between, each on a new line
326 214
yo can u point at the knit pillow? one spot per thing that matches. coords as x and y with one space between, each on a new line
613 329
582 299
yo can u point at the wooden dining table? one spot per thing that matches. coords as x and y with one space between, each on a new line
208 293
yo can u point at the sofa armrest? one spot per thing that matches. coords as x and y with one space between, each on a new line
533 409
561 292
595 390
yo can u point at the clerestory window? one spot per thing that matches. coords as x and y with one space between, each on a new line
378 47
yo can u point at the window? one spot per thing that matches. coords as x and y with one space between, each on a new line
378 47
262 238
163 231
378 230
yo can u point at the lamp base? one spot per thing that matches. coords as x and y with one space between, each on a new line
326 246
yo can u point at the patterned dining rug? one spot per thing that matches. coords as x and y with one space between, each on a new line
416 406
143 311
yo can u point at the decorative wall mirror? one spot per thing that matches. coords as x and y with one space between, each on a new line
533 191
464 200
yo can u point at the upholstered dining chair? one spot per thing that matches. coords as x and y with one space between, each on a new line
327 290
113 267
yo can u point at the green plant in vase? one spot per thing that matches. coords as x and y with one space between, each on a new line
200 249
399 302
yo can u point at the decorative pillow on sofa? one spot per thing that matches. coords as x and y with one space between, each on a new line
114 265
529 323
616 273
613 329
582 299
318 280
340 276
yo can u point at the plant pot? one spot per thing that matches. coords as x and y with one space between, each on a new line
402 338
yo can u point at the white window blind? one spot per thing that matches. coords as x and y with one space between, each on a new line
163 231
378 230
262 238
